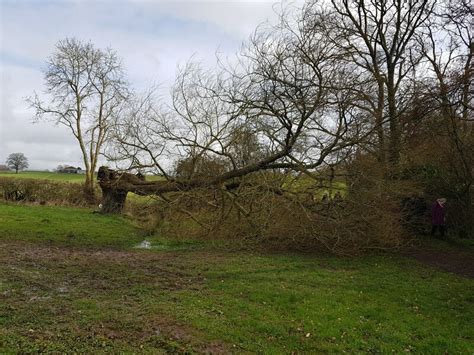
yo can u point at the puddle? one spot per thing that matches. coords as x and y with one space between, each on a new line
143 245
164 246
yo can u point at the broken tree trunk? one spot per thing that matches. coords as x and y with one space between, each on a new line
116 185
113 200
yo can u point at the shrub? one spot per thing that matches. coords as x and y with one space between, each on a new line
42 191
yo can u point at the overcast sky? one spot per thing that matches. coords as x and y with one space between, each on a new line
152 37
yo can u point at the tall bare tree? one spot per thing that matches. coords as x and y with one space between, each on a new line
447 46
377 39
282 91
85 90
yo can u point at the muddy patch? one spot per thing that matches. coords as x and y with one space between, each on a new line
143 245
103 294
458 262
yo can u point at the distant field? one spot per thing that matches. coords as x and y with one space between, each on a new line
45 175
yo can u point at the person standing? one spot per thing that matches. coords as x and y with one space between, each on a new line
438 216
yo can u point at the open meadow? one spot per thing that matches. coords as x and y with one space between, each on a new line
74 281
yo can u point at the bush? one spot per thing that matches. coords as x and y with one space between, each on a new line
42 191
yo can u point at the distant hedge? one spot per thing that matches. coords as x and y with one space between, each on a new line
42 191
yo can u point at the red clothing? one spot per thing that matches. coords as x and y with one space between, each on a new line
438 213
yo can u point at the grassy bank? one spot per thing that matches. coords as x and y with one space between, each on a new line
94 292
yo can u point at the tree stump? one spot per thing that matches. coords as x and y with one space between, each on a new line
113 197
113 200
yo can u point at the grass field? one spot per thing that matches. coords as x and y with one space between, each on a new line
72 281
45 175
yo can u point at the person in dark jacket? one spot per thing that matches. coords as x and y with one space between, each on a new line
438 216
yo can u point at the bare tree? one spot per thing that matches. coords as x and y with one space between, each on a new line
376 38
326 85
244 146
85 90
279 97
17 161
447 46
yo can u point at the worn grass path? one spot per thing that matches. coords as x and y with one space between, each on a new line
82 287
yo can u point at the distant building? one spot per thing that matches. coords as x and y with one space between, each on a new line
71 170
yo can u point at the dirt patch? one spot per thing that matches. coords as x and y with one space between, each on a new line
452 259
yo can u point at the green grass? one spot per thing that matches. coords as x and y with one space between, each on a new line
304 183
45 175
65 226
63 294
331 305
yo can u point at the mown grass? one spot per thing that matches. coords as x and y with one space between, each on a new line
78 295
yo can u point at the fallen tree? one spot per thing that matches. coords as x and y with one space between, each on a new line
116 185
279 107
